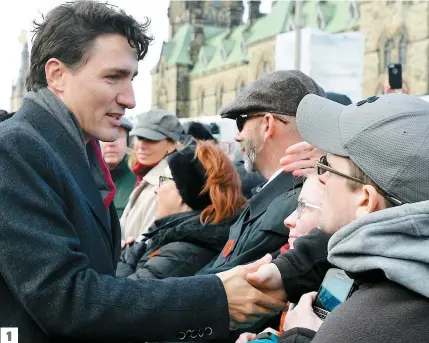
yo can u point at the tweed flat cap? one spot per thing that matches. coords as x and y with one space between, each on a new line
278 92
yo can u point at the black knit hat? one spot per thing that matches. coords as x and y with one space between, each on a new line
189 176
199 131
278 92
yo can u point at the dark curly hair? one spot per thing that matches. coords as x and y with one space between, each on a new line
68 33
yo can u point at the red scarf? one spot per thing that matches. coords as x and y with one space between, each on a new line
141 170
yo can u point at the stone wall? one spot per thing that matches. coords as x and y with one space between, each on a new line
384 20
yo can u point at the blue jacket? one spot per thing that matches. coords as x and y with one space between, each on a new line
59 248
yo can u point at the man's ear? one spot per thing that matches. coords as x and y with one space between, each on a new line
55 74
368 201
269 126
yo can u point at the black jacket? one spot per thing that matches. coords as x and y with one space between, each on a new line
381 312
177 245
259 229
59 248
304 267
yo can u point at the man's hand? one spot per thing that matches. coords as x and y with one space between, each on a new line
302 316
268 280
301 159
246 304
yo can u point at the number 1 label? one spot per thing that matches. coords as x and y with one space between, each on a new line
8 335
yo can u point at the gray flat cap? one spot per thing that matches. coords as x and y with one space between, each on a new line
278 92
157 125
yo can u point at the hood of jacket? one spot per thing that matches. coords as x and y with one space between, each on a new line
394 240
187 227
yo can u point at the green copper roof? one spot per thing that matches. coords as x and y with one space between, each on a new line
224 47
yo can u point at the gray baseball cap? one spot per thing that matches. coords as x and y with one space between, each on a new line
386 136
157 125
277 92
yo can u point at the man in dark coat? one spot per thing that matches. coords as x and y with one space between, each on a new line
116 158
59 232
265 114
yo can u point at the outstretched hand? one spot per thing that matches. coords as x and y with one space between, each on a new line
268 280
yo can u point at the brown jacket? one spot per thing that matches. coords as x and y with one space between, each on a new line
139 214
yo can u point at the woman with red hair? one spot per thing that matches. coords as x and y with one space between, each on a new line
199 196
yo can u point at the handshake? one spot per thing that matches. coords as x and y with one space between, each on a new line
254 291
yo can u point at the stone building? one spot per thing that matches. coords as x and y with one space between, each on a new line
212 54
395 32
18 88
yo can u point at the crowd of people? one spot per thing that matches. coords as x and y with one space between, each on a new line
114 232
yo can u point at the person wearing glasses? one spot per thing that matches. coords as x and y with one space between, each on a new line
155 137
303 220
376 207
265 116
198 196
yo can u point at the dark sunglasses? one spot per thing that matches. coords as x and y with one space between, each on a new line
324 166
162 179
242 118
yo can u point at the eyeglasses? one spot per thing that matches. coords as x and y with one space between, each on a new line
302 205
162 179
323 166
242 118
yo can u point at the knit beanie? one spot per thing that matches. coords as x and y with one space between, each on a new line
190 177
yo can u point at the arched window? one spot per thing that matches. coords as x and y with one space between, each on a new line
290 26
266 68
388 46
162 99
403 50
201 103
240 87
353 10
320 20
219 98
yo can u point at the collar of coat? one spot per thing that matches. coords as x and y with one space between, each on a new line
282 183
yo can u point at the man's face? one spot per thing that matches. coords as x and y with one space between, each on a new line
310 198
114 152
339 204
100 90
251 142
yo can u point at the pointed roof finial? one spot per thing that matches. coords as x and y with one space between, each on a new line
23 37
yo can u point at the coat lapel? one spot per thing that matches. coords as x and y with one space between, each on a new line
72 156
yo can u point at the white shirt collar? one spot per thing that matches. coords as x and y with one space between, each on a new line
277 173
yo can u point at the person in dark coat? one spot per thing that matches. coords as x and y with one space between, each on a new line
115 156
198 198
265 115
59 231
4 115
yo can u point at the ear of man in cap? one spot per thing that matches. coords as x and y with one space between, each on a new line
278 92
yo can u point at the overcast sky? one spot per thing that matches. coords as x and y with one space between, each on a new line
19 15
